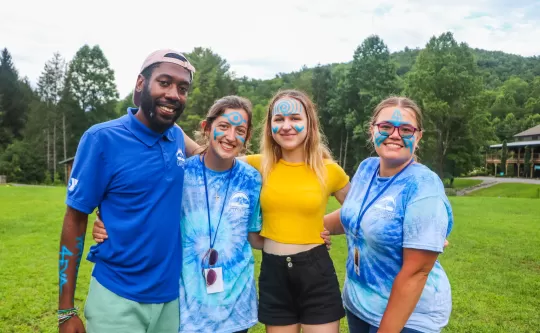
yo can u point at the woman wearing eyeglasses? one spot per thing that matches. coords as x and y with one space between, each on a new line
220 223
396 218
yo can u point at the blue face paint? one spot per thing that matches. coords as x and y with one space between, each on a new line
217 133
275 129
409 143
287 107
241 139
397 116
234 118
379 139
298 128
63 265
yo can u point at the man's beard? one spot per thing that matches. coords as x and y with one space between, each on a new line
148 105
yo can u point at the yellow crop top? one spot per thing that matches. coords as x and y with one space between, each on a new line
292 201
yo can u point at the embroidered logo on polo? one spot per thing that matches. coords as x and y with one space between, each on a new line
72 184
180 159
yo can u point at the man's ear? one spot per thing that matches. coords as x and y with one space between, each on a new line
140 83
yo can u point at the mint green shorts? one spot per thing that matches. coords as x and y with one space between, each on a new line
107 312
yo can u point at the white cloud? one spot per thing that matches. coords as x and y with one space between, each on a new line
259 39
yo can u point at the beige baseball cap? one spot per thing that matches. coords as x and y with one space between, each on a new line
165 55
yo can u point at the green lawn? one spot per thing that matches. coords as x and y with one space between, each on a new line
460 183
510 190
493 262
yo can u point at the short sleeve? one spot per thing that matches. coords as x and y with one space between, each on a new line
337 178
255 220
255 161
89 178
426 224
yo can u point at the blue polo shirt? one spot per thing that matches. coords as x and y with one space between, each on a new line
135 176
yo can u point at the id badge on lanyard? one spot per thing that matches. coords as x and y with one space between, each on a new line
363 211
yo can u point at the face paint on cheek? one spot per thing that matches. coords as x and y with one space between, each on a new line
217 133
241 139
409 143
275 129
379 139
299 128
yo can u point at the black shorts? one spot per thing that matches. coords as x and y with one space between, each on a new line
300 288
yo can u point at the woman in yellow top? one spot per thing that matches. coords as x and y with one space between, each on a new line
298 286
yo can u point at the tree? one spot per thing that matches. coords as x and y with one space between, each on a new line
50 89
90 81
527 160
445 81
15 96
371 78
212 81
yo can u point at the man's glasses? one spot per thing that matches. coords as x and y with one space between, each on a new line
211 256
405 131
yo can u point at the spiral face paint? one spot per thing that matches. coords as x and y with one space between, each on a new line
234 118
287 107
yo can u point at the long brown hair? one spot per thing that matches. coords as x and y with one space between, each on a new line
315 148
217 109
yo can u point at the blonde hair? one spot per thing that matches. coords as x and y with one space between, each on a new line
315 148
400 102
217 109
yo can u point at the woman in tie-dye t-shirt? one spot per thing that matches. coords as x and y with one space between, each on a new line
219 226
396 218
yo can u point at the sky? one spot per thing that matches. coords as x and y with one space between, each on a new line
257 38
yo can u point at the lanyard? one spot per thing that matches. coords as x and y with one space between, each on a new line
362 210
208 204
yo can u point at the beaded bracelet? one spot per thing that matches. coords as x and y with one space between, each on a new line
66 314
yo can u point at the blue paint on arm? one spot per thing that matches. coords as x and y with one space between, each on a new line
80 247
63 264
299 128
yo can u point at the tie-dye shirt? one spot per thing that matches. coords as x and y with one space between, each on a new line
413 212
235 308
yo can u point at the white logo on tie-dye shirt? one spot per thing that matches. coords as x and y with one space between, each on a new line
238 203
387 203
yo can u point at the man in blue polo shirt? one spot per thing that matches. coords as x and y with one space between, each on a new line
132 169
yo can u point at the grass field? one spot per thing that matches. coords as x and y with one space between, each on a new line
509 190
460 183
493 262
